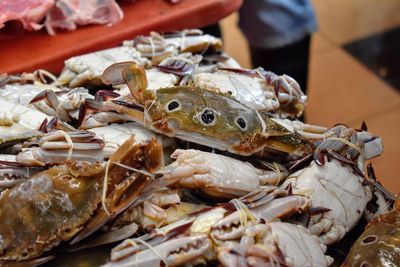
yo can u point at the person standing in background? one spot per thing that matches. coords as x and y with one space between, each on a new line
279 35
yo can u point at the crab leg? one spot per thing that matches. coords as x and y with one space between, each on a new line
111 111
306 130
172 252
59 146
27 263
53 104
107 238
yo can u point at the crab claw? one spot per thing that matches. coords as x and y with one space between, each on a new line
55 124
12 173
282 139
93 113
288 92
52 105
130 171
372 145
131 73
173 252
349 146
273 204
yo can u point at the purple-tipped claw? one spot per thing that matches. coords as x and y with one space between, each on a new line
41 96
112 75
105 95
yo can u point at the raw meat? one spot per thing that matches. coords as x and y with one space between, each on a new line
28 12
67 14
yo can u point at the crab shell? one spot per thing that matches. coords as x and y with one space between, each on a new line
250 91
87 69
379 244
52 207
337 188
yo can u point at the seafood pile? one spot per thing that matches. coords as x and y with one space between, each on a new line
167 148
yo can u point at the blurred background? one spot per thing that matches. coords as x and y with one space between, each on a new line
354 72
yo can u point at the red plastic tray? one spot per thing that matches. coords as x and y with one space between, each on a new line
36 50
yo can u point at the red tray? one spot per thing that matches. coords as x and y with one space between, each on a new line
36 50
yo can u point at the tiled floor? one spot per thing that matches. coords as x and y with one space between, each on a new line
376 52
341 88
343 21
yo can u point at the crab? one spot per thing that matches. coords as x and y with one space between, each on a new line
62 203
47 193
335 187
192 114
62 103
169 72
86 70
335 180
153 209
193 40
217 175
378 245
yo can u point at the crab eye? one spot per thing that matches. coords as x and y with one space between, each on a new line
173 105
369 239
207 116
241 123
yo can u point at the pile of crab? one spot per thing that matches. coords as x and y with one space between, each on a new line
167 146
